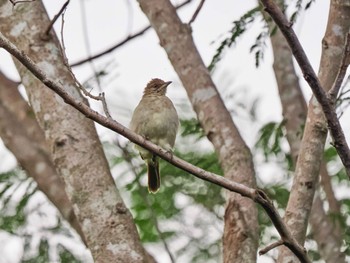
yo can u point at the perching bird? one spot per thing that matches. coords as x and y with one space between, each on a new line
156 119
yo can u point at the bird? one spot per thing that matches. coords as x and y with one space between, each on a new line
156 119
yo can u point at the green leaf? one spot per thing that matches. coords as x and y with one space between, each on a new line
191 127
239 27
43 254
66 256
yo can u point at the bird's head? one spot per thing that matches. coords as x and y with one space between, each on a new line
156 87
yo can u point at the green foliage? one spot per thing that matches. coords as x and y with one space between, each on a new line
12 214
258 48
43 254
278 193
271 137
66 256
151 212
314 255
191 127
17 205
331 156
264 223
239 27
346 240
174 181
298 7
207 253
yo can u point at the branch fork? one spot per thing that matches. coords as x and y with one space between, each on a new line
255 194
309 74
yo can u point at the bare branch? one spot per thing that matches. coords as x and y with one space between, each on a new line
195 14
270 247
104 104
257 196
101 96
87 43
15 2
112 48
54 19
333 92
334 126
121 43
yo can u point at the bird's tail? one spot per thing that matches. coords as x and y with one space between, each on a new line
153 174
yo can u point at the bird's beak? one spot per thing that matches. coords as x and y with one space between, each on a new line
166 84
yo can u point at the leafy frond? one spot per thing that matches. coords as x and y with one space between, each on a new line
239 27
298 7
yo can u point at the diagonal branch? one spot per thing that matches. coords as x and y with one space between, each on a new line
333 92
309 74
195 14
54 19
257 196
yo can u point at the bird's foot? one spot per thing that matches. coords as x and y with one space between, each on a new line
170 154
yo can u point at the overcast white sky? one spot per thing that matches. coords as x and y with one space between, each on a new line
136 63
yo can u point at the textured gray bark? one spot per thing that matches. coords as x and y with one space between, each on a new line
311 152
294 113
22 135
241 227
76 150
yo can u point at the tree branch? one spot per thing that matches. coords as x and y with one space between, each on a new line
333 92
15 2
294 110
195 14
257 196
121 43
54 19
270 247
334 126
22 135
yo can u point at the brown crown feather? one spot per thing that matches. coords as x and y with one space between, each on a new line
156 87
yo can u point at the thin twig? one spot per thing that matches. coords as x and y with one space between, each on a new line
101 96
87 43
334 127
112 48
257 196
333 92
270 247
63 46
195 14
121 43
104 104
14 2
54 19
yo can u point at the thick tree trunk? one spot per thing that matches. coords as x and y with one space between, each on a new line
22 135
294 114
76 150
311 151
241 227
